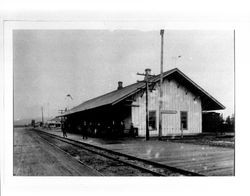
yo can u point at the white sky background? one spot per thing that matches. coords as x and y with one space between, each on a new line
49 64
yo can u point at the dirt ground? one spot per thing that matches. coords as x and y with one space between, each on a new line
192 153
226 141
35 157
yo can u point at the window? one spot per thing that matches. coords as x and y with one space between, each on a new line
152 120
184 120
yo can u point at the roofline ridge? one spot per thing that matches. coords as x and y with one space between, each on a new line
103 95
200 88
155 79
122 89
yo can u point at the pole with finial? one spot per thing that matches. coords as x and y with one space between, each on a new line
161 81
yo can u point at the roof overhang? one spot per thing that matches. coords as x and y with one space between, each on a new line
208 101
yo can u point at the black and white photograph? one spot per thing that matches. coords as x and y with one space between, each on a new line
124 98
124 102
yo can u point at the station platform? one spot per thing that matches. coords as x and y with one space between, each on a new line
202 159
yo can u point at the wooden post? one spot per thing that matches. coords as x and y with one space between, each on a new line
42 115
161 93
146 78
61 118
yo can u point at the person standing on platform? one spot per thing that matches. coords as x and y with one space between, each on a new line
84 130
64 129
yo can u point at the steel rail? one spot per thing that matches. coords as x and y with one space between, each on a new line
104 155
69 155
159 165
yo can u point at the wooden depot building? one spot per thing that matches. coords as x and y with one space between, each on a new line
123 111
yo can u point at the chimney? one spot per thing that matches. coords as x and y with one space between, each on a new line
147 73
119 85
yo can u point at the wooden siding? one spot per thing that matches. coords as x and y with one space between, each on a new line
176 98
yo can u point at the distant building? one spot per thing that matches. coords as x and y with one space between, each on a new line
122 109
54 123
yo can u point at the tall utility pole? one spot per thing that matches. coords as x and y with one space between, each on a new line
146 80
161 81
48 110
61 118
42 115
147 71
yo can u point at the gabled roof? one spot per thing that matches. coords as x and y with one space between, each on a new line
116 96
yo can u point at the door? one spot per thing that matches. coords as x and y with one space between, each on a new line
168 124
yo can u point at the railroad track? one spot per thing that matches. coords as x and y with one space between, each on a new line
153 168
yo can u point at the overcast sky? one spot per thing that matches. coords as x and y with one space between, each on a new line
49 64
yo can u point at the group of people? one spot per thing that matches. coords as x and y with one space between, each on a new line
115 128
81 129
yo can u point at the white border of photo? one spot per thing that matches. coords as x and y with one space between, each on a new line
144 20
